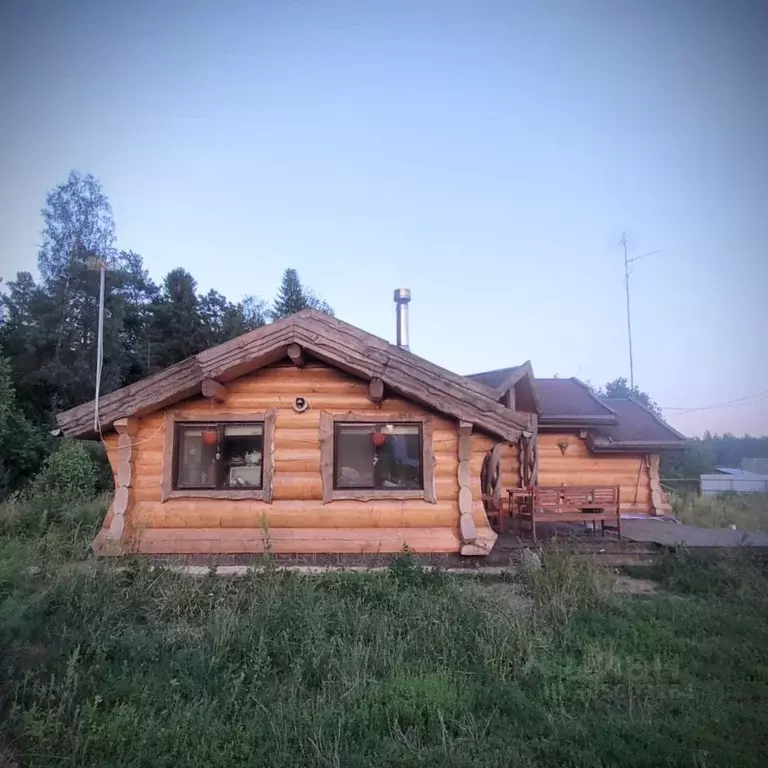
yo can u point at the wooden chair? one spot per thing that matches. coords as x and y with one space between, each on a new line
496 517
572 504
519 501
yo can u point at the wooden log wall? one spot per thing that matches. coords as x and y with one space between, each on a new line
659 502
118 525
296 520
467 528
579 466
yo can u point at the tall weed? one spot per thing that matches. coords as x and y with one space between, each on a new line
140 666
566 584
746 511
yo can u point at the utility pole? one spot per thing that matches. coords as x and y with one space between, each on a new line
623 242
627 262
96 263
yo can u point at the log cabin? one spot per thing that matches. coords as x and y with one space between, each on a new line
310 435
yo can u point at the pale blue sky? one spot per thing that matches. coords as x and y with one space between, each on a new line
485 155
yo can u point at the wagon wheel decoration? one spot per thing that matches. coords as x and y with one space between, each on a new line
529 461
490 478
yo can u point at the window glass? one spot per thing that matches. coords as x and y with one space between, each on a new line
211 456
380 456
356 455
197 456
242 451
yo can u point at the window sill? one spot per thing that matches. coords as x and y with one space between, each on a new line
352 494
255 494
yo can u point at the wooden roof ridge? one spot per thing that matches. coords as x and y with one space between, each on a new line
327 338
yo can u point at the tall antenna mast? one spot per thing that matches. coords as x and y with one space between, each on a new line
623 242
627 262
100 264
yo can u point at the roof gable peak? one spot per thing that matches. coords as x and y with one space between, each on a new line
330 340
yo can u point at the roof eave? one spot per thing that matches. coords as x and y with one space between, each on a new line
339 344
653 414
635 446
570 421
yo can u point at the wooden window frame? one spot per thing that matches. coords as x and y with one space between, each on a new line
173 420
328 422
337 430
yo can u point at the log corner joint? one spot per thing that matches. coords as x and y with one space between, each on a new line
376 390
214 390
296 354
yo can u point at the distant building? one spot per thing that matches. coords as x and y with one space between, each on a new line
738 480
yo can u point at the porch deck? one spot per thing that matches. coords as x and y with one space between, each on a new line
668 533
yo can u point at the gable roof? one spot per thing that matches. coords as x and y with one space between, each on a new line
570 402
518 377
498 378
335 342
638 429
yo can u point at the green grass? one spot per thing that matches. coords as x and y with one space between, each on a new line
402 668
747 511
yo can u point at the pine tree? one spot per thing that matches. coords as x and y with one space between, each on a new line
292 297
177 330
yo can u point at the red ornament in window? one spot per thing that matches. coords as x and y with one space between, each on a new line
210 437
378 438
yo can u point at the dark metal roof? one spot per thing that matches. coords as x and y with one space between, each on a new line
566 402
615 424
637 429
570 401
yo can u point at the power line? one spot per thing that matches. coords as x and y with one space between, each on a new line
724 404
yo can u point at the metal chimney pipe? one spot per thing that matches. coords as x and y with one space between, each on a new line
402 297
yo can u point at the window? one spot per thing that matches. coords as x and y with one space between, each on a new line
378 456
219 456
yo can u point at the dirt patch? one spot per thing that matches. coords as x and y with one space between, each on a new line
624 585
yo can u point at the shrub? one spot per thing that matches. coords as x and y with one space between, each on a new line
69 473
105 480
22 445
69 481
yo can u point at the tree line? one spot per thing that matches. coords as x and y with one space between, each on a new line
48 333
49 324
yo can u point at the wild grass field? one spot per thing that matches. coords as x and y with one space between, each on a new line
747 511
407 667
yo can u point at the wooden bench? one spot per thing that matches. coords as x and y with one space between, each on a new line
573 504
